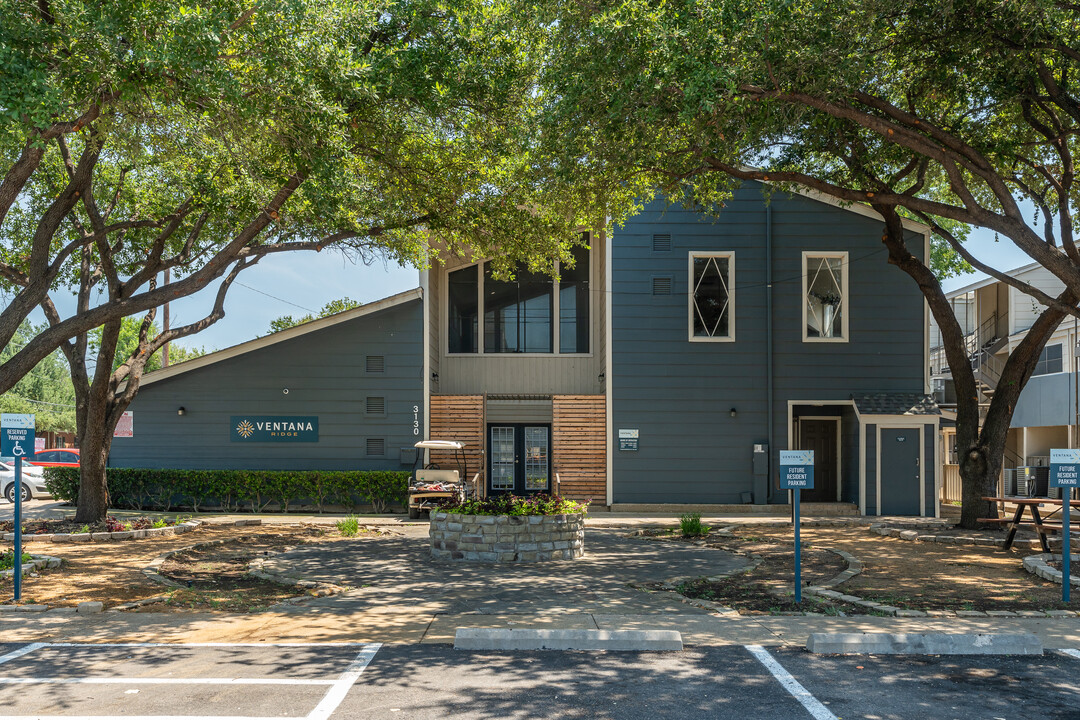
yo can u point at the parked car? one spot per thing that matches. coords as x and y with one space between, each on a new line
59 457
33 481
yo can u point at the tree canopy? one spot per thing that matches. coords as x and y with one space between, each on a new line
952 113
45 391
331 308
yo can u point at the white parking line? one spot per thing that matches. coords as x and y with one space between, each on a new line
793 686
24 650
336 694
1072 653
339 687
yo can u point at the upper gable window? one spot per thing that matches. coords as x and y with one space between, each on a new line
528 314
825 297
712 297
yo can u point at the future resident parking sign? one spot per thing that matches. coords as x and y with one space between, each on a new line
1064 468
796 469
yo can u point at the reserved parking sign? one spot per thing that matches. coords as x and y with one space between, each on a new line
796 469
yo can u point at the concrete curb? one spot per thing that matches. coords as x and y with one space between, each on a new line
37 562
562 639
924 644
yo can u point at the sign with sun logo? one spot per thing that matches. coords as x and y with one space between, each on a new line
274 428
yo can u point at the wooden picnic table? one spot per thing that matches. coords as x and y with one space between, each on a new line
1032 505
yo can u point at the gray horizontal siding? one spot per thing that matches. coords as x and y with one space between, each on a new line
679 393
326 376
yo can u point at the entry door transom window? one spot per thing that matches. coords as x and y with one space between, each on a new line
712 297
825 297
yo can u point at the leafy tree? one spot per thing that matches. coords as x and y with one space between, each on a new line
143 136
45 391
331 308
949 112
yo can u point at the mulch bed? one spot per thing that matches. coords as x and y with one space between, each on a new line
217 579
67 525
900 573
769 588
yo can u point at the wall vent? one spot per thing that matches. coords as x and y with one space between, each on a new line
376 406
661 286
661 242
376 447
376 363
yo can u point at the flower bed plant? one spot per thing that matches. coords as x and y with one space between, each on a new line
7 559
514 505
110 524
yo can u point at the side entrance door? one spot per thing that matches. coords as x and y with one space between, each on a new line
900 471
821 436
519 458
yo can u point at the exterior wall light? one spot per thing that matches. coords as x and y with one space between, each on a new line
284 391
181 411
733 412
434 377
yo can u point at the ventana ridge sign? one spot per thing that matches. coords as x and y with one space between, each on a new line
274 428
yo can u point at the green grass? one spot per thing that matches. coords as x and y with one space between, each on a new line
690 525
349 526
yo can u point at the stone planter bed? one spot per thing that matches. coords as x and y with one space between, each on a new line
37 562
99 536
506 538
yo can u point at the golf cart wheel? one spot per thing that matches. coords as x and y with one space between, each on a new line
11 492
414 513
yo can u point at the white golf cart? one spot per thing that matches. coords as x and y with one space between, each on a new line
431 485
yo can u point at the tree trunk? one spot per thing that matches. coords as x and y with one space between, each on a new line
94 446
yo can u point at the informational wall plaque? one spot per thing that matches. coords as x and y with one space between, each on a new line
274 428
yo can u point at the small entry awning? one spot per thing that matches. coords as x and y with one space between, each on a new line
896 404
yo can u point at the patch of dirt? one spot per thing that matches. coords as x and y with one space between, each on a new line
111 572
922 576
769 588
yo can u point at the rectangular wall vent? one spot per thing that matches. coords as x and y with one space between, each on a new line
376 406
661 286
661 242
376 447
376 363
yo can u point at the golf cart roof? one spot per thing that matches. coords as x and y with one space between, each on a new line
440 445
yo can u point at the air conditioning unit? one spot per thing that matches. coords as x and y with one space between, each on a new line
1036 480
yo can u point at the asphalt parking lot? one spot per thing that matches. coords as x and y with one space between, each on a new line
316 682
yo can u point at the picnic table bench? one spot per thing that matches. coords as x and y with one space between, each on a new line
1038 522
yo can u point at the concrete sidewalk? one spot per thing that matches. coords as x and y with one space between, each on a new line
404 628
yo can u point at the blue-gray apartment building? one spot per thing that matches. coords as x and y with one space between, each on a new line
668 366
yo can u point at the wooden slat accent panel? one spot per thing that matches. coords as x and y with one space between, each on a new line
579 433
459 417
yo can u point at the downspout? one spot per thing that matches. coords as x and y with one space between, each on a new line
769 346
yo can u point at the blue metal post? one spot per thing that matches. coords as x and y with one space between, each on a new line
798 549
17 560
1066 580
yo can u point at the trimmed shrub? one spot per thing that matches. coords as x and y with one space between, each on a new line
514 505
230 490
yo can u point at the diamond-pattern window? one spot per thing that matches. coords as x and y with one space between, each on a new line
711 303
825 302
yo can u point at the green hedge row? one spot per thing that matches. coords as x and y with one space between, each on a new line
234 490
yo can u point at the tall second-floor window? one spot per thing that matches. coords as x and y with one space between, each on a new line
524 315
825 301
712 296
1050 361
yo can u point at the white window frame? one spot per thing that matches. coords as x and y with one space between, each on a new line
845 307
730 255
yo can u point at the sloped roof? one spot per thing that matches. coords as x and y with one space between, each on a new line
896 404
282 336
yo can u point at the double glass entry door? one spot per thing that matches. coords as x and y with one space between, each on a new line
519 458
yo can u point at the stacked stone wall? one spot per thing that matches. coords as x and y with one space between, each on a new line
506 538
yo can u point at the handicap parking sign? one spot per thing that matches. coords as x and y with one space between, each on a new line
16 435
